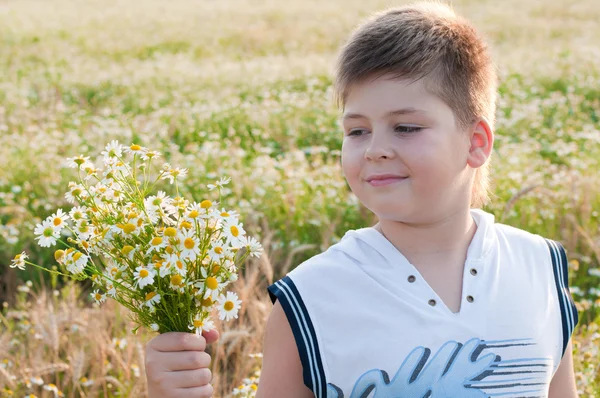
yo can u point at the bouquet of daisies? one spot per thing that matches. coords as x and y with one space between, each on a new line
164 258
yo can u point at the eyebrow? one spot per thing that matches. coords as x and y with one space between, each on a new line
398 112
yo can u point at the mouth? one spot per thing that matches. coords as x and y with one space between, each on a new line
385 181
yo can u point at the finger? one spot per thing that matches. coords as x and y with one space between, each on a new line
182 360
195 392
178 341
211 336
190 378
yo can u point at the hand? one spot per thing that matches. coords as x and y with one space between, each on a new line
177 366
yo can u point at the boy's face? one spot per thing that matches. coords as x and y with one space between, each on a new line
420 145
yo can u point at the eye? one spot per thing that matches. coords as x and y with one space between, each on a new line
407 129
355 132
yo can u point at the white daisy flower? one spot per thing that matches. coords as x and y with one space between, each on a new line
252 245
152 299
157 244
119 343
216 253
176 283
228 216
212 285
85 382
110 289
233 231
76 262
78 213
201 324
98 297
36 380
143 276
112 150
19 261
58 219
162 269
83 229
151 155
220 183
228 306
52 387
47 234
135 149
189 245
154 327
174 174
76 192
78 161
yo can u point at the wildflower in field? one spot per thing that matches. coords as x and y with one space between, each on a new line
219 184
119 343
19 261
174 174
52 388
189 246
233 231
136 370
78 213
157 244
59 219
112 150
86 382
136 149
252 244
78 161
212 285
229 306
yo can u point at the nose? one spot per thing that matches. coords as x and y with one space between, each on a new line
378 147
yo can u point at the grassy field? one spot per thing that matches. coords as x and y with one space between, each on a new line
243 89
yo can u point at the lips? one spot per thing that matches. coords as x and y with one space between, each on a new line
381 177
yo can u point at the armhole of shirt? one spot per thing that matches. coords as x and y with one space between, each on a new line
568 310
286 292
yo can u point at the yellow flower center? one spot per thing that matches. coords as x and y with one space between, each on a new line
79 160
193 214
207 302
114 270
48 232
234 231
179 264
212 283
84 379
150 295
216 269
126 249
189 243
176 280
170 232
224 214
144 273
186 225
228 306
132 215
198 323
77 215
205 204
57 221
77 255
84 244
98 296
158 264
218 250
135 147
169 250
128 228
156 241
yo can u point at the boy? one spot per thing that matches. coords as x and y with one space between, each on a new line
436 300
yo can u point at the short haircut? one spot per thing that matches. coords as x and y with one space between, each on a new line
426 40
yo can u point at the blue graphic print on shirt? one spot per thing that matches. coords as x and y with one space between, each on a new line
456 370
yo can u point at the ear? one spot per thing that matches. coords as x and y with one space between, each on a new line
481 141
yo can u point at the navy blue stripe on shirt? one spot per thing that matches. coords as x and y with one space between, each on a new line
568 310
286 292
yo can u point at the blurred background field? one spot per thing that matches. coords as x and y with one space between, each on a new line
242 88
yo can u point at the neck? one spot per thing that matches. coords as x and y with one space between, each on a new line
432 242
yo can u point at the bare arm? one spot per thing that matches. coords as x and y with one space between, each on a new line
563 383
281 374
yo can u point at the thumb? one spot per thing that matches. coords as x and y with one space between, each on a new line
211 336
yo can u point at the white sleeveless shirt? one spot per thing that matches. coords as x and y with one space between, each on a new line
367 324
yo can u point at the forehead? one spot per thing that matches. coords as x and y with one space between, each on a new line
385 96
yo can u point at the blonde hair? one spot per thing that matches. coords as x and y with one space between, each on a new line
426 40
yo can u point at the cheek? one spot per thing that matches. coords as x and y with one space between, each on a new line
350 162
